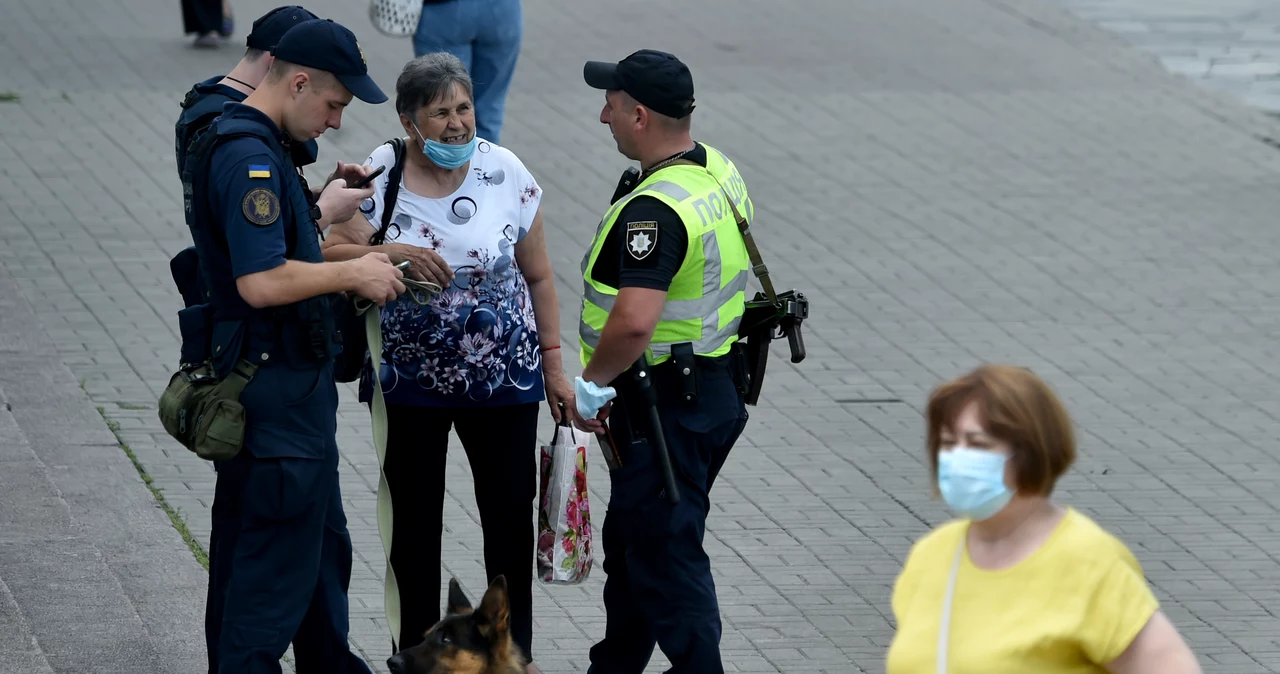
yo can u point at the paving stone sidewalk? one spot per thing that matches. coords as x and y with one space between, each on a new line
951 181
1231 47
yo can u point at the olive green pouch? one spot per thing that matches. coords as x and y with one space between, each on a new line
203 412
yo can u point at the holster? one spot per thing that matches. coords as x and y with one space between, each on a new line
185 270
742 373
686 370
203 412
677 382
756 331
195 329
353 340
308 331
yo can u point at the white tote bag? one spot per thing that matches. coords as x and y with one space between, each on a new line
396 18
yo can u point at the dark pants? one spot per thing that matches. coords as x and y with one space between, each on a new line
659 587
279 568
201 16
501 446
280 554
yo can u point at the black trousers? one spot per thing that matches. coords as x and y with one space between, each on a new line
658 588
501 446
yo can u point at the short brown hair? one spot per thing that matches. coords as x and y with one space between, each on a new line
322 80
1017 407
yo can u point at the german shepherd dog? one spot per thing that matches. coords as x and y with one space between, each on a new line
466 640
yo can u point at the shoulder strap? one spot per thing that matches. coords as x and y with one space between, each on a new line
393 190
944 624
201 122
205 109
753 252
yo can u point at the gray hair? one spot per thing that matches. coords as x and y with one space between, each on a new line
427 79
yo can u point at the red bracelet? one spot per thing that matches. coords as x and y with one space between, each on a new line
551 348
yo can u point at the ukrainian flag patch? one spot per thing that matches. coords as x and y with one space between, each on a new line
259 170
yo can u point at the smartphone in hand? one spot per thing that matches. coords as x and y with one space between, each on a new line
369 178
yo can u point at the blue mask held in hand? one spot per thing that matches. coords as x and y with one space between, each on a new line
447 156
590 397
972 482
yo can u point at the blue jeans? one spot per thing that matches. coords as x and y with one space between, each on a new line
485 35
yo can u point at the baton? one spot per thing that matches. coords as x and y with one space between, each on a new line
645 382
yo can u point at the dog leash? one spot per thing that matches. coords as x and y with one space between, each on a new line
420 292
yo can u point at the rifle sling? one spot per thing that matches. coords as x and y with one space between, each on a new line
753 252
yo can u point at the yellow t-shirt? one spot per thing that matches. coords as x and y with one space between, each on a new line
1072 606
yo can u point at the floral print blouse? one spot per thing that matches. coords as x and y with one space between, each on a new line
475 344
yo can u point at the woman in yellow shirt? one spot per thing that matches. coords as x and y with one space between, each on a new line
1020 584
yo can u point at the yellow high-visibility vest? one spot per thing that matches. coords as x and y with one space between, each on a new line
708 294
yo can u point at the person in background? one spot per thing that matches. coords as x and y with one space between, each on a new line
479 358
210 20
1019 583
485 35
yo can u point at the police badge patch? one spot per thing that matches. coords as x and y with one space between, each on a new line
260 206
642 238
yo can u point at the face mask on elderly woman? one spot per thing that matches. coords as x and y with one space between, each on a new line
972 482
445 155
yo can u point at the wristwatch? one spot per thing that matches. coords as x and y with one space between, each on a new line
315 212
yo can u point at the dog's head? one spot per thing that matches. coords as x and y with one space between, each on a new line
466 640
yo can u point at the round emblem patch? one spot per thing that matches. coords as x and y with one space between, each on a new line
260 206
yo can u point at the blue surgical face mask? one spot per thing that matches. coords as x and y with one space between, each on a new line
972 482
445 155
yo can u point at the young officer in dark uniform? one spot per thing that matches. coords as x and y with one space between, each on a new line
663 280
205 101
282 565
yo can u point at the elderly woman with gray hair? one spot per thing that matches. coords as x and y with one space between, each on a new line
479 357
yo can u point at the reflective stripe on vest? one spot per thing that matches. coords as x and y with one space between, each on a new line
707 296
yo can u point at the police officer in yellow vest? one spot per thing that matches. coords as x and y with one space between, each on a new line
664 279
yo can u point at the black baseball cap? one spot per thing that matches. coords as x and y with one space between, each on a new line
270 27
658 80
331 47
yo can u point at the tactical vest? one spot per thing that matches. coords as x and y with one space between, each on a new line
707 296
199 109
202 105
302 334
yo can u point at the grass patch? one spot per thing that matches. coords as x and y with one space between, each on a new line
9 97
131 406
174 517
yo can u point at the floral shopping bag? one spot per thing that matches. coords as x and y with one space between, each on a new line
564 517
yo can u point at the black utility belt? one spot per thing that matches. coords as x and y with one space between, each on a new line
680 376
266 343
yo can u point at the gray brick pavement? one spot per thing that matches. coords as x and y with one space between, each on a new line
951 182
1231 47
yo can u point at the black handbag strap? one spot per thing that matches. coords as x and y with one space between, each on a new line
393 190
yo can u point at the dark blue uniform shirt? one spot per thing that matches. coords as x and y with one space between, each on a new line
250 202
